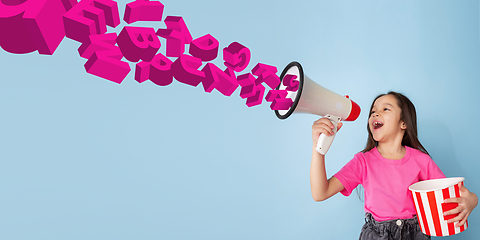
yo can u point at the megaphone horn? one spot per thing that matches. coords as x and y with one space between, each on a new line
310 97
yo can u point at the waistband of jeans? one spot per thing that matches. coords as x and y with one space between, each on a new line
408 221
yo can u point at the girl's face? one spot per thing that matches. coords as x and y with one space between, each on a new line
384 121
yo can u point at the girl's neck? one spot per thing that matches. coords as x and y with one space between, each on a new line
391 151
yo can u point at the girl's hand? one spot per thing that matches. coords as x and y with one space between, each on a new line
466 203
325 126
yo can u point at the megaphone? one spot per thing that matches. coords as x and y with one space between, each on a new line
312 98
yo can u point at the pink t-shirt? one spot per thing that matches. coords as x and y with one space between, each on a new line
386 181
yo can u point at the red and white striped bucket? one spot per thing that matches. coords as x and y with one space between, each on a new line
428 197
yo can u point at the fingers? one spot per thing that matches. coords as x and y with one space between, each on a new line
453 200
326 122
324 126
460 219
460 207
453 211
463 189
456 219
464 208
461 210
462 222
340 124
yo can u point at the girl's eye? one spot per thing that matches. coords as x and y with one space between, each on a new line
386 109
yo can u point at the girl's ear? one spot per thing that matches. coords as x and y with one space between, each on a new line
403 126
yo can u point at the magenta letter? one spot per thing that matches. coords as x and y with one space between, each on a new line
290 81
104 57
205 48
224 81
278 99
68 4
175 42
185 70
143 10
90 17
27 26
266 73
247 82
177 23
177 35
210 82
273 94
257 98
281 104
142 71
160 70
138 43
236 56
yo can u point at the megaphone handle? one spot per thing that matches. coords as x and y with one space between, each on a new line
325 141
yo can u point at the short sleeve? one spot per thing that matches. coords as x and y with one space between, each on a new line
434 171
351 174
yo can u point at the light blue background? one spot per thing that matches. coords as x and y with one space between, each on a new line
86 158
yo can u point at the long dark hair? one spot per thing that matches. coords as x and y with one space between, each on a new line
410 138
407 115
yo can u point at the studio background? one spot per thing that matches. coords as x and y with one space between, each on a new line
85 158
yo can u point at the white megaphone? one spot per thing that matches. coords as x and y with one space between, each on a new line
313 98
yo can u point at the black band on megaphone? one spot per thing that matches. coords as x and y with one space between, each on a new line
299 91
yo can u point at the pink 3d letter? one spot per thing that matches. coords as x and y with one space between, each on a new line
158 71
177 23
273 94
252 92
142 71
258 97
27 26
104 57
247 82
205 48
236 56
138 43
143 10
90 17
185 70
290 82
161 70
68 4
267 74
281 104
224 81
177 35
279 100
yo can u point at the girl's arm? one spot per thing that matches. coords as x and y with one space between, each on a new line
322 188
466 203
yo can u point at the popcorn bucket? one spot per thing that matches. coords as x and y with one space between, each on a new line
428 197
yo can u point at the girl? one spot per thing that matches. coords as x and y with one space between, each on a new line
392 160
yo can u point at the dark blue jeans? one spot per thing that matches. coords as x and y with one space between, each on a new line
399 229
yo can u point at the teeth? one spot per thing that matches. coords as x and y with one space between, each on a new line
377 125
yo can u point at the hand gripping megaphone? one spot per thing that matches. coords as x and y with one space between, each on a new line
310 97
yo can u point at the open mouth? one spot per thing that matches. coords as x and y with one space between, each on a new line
377 125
